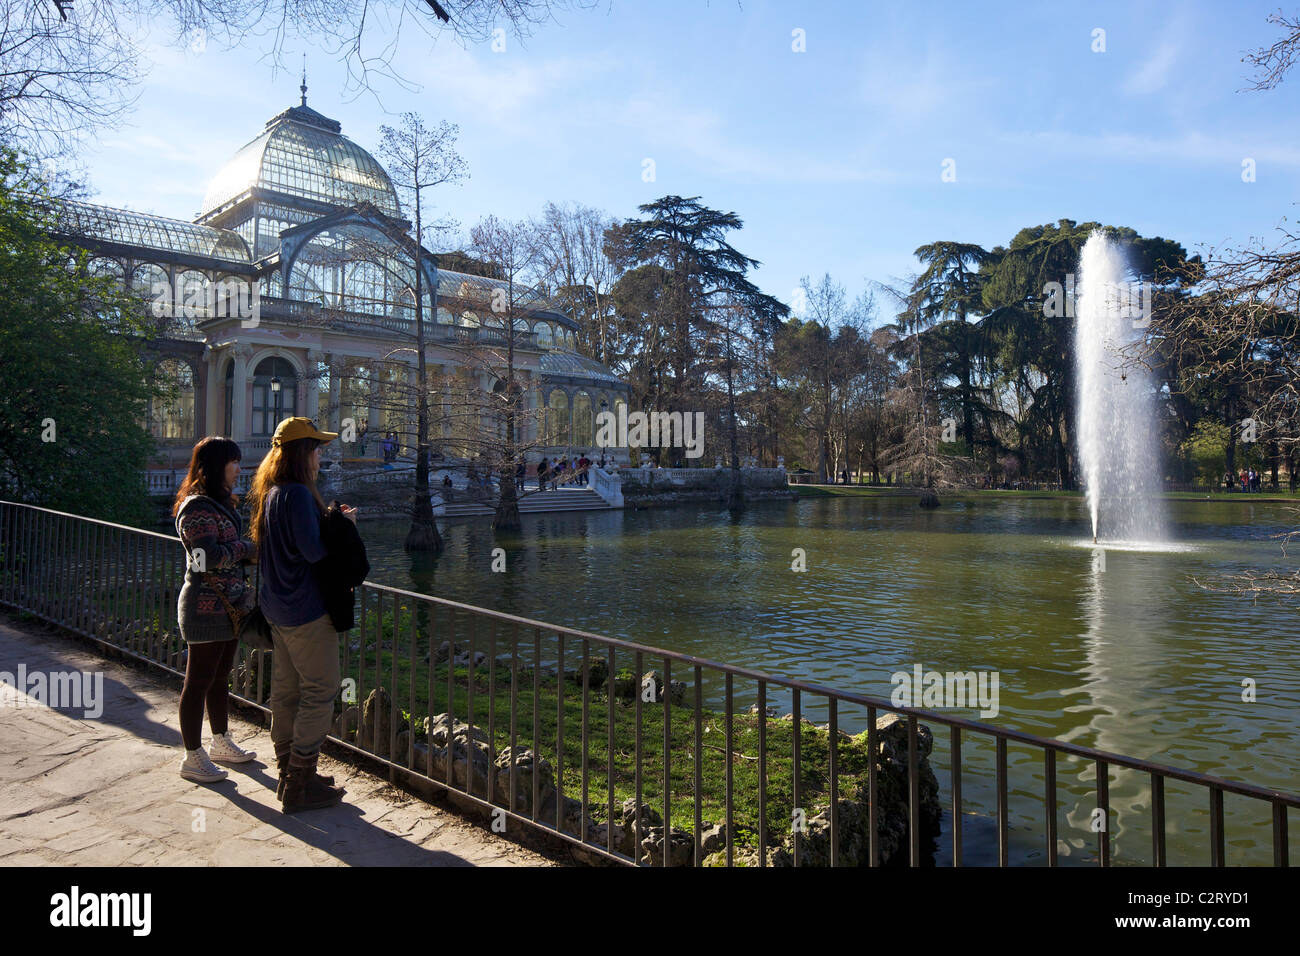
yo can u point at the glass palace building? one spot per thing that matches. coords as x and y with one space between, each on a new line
293 293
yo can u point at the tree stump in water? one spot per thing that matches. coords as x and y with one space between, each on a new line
929 499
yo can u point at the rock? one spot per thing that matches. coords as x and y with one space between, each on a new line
443 728
525 764
929 499
625 686
680 847
713 837
892 812
748 857
469 769
446 649
649 815
891 737
622 839
851 828
346 723
596 669
376 723
571 819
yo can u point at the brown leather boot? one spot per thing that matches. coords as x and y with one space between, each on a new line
282 763
304 790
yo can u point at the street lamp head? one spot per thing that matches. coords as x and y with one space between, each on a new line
275 384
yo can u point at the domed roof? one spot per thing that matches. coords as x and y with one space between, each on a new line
304 154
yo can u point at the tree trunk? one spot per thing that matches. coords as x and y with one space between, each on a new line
423 534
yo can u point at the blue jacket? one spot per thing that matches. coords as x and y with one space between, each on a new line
291 544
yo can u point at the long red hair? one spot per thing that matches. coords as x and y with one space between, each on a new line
290 462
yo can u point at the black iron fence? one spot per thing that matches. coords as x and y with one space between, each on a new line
639 754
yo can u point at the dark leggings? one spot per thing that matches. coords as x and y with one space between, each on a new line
206 674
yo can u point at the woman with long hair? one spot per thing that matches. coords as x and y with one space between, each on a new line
212 532
285 519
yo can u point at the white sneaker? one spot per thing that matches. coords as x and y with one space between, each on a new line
197 767
225 750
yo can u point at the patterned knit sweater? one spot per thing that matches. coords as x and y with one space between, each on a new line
208 528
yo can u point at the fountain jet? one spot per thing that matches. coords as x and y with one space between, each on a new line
1118 443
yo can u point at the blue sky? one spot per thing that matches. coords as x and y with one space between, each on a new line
832 157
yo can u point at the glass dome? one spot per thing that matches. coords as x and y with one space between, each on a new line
304 154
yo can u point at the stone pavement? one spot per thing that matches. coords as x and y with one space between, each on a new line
106 792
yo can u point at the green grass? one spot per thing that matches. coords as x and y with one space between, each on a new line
877 491
620 773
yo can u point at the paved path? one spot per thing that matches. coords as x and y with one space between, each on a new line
106 791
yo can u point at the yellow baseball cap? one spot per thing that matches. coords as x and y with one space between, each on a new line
291 429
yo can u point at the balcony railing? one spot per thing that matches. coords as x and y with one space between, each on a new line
554 728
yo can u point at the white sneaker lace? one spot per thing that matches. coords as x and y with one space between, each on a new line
204 764
226 746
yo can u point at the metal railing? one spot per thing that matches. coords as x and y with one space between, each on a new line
443 689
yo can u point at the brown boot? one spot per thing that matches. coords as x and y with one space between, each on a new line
282 761
303 788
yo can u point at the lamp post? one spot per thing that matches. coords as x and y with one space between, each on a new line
275 391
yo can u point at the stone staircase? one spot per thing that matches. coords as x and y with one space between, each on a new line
562 499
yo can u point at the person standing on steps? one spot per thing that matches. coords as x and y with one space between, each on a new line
215 587
286 523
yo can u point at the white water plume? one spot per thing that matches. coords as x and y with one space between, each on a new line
1118 442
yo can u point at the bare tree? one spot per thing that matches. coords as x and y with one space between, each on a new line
420 158
68 67
513 248
62 71
571 239
1272 63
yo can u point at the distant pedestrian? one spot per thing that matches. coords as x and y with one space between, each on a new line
543 473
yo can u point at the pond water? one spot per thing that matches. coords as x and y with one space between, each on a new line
1120 650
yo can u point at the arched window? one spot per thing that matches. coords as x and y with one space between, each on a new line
102 266
445 317
582 424
150 283
469 320
192 293
558 418
270 406
543 335
357 269
172 415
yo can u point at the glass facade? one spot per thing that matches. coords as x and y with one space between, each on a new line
126 228
348 287
303 154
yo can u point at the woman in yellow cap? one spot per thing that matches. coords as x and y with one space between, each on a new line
286 514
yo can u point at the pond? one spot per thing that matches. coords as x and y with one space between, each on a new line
1118 650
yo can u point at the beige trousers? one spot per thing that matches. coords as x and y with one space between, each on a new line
304 684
